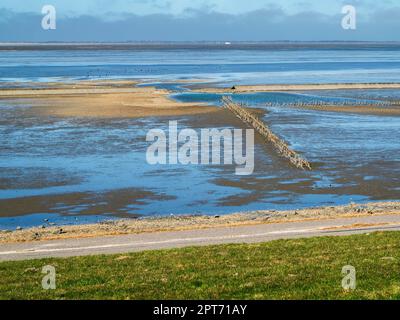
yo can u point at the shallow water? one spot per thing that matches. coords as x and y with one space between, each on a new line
247 65
274 98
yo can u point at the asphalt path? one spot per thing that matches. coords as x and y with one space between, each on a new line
178 239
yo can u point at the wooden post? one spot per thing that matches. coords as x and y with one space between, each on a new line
280 146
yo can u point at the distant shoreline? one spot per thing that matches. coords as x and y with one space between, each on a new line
200 45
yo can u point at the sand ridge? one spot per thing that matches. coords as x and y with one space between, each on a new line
124 99
102 100
298 87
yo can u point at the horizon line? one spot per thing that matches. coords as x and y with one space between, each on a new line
227 42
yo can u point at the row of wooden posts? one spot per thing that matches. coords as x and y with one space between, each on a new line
280 146
326 104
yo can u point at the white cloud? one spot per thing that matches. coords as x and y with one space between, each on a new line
176 7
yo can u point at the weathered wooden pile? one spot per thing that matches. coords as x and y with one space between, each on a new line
280 146
303 104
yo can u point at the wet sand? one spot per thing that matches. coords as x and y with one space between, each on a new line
192 222
274 181
114 99
120 202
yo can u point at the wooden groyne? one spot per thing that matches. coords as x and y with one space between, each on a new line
280 146
316 103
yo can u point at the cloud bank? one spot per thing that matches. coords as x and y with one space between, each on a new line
271 24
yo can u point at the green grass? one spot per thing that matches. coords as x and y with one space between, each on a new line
284 269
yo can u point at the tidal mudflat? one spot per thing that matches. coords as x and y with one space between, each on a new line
65 164
74 119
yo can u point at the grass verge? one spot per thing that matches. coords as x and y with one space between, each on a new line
283 269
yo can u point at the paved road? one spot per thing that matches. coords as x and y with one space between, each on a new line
177 239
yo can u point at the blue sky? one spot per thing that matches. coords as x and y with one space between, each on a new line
194 20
